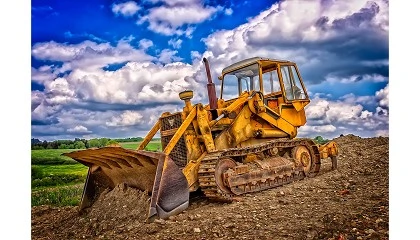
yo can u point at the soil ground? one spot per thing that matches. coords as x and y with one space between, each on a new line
351 202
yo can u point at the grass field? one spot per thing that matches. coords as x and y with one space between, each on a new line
152 146
51 156
56 180
58 196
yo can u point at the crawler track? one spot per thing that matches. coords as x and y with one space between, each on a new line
216 191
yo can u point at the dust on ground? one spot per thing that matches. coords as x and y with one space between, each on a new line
351 202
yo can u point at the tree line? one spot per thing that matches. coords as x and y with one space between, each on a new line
79 143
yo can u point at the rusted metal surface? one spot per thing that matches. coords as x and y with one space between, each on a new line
302 158
136 168
222 175
210 86
170 194
153 172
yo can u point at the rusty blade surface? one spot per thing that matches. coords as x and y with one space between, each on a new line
135 168
110 166
149 171
170 194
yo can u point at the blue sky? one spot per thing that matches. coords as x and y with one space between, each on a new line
110 68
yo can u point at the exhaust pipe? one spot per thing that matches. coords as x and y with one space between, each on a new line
211 89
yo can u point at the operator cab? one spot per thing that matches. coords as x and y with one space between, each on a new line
269 76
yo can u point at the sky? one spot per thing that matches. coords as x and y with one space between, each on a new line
111 68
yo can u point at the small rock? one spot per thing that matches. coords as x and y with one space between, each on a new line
161 221
344 192
370 231
238 216
197 230
228 225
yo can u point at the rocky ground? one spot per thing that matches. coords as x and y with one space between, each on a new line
349 203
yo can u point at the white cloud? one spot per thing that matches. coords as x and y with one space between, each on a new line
167 56
228 11
174 17
128 118
330 118
319 129
357 78
78 129
88 55
126 9
312 33
145 43
176 43
43 74
382 96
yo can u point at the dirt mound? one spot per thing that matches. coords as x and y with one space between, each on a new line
348 203
120 204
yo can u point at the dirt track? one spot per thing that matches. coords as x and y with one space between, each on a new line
349 203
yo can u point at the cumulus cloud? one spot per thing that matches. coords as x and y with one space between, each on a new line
330 118
175 17
126 9
78 129
382 96
128 118
330 40
167 56
88 54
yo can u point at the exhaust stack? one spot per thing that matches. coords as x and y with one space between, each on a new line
211 89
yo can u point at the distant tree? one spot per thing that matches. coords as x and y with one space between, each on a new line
35 141
93 143
37 147
111 142
79 145
62 146
320 140
103 142
44 144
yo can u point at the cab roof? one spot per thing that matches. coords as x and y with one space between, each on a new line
249 61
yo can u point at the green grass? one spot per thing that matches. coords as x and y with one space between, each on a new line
51 157
58 196
152 146
57 175
77 169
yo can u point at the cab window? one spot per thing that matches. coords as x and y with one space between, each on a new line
292 85
271 82
241 80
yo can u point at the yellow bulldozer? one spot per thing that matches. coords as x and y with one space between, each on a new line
245 141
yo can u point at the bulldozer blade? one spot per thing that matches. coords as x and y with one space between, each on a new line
153 172
170 194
